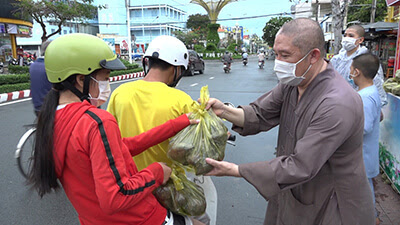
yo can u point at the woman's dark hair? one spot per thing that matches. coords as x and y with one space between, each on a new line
42 175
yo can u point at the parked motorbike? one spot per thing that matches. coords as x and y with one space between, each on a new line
13 61
227 67
245 61
261 64
1 67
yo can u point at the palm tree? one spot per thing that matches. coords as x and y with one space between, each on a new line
213 9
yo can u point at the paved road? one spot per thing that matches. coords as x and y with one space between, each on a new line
238 202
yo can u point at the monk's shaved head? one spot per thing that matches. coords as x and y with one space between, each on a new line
306 33
359 30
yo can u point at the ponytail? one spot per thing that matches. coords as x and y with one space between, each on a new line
42 175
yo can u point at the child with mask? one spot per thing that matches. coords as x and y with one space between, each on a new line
352 39
362 72
80 145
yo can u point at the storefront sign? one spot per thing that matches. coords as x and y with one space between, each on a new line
2 28
110 42
392 2
12 29
25 30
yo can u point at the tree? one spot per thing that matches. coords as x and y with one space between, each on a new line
338 14
198 24
56 11
272 27
360 10
189 38
213 9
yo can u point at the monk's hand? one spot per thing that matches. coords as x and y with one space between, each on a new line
222 168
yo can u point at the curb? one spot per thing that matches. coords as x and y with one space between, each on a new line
5 97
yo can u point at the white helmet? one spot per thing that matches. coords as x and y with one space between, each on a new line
169 49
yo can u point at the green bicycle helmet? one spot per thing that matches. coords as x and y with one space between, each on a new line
78 54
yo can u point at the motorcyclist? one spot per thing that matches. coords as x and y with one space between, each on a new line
244 57
261 57
227 58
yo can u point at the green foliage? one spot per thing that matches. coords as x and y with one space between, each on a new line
360 10
199 48
123 72
189 38
272 27
198 24
14 78
211 47
128 65
232 48
6 88
212 36
58 11
15 69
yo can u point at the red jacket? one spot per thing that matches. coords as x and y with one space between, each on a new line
95 166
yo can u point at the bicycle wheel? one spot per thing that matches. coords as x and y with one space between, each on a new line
24 151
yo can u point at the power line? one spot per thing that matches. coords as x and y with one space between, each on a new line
226 19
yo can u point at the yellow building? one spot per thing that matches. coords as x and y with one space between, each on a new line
10 28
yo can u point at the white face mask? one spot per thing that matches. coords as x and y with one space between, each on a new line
286 72
349 43
104 93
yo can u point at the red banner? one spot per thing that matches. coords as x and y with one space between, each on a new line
392 2
397 62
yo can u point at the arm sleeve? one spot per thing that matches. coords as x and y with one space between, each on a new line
327 131
263 114
115 188
378 81
156 135
369 114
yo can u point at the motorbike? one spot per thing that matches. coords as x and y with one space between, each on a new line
245 61
13 61
261 64
227 68
1 67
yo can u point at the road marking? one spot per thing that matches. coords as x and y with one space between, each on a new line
195 84
16 101
211 78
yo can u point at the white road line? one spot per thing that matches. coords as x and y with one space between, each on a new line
16 101
211 78
195 84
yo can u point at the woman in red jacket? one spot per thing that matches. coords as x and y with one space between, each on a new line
81 146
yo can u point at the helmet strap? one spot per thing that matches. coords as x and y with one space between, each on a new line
144 66
176 80
82 96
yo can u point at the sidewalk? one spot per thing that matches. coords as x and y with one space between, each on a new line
387 202
6 97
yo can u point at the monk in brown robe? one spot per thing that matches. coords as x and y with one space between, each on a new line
318 176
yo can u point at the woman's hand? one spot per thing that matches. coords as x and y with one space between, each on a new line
167 171
222 168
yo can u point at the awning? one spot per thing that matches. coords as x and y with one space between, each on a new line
380 26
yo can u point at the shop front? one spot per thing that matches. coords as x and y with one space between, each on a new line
10 28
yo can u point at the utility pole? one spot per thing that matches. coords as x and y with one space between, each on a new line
317 10
373 10
128 24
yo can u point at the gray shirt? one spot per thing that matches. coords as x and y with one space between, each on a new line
318 176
